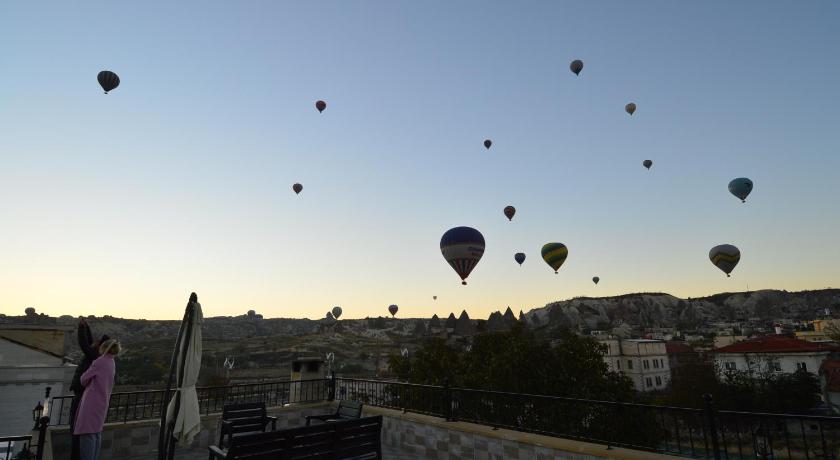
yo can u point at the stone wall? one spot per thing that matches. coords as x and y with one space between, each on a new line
120 440
424 437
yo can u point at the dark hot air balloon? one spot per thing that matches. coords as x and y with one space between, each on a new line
320 105
108 80
741 187
725 257
336 312
297 188
595 279
554 254
393 310
519 257
434 297
647 164
576 66
462 247
487 143
630 108
509 212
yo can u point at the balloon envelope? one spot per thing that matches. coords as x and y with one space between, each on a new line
630 108
647 164
336 311
462 247
741 187
297 188
393 309
320 105
434 297
554 254
509 212
108 80
519 257
595 279
725 257
487 143
576 66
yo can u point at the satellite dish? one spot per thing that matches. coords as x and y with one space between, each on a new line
404 352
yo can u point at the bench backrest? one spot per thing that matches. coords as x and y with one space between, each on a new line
349 409
246 417
338 440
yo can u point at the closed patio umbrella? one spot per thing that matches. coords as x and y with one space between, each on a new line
182 420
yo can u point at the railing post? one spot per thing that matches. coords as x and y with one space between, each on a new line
331 392
709 413
43 423
447 398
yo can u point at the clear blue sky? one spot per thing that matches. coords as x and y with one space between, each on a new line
180 179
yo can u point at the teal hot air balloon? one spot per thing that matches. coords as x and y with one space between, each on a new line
725 257
741 187
554 254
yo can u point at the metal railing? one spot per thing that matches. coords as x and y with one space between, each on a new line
699 433
9 447
147 405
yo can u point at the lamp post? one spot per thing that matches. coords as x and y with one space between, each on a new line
37 413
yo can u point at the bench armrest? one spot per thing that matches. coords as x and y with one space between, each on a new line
215 452
273 421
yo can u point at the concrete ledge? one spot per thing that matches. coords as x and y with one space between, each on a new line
548 442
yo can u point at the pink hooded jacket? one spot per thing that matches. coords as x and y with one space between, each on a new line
98 381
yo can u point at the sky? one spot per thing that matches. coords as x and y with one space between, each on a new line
180 179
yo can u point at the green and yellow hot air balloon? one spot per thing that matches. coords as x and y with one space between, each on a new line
554 254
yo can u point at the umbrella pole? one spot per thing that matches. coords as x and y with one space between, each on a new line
162 440
171 427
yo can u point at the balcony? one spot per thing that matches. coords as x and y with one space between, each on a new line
423 421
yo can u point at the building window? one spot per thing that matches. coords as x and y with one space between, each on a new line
662 363
658 381
729 365
618 364
646 364
774 365
630 364
656 364
801 366
649 382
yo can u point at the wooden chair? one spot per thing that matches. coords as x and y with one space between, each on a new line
346 410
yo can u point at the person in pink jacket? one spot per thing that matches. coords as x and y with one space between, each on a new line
98 381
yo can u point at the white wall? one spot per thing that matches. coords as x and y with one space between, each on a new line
758 363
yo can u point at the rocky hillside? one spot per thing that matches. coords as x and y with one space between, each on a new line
650 310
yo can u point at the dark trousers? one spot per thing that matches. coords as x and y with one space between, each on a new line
74 406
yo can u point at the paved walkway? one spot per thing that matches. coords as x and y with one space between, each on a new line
388 453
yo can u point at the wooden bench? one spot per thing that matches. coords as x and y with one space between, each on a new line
346 439
346 410
238 419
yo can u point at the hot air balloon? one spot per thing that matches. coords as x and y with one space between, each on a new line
630 108
320 105
741 187
519 257
647 164
336 311
393 310
554 254
725 257
462 247
595 279
509 212
108 80
297 188
576 66
487 143
434 297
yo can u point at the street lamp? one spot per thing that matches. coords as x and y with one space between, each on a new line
37 413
